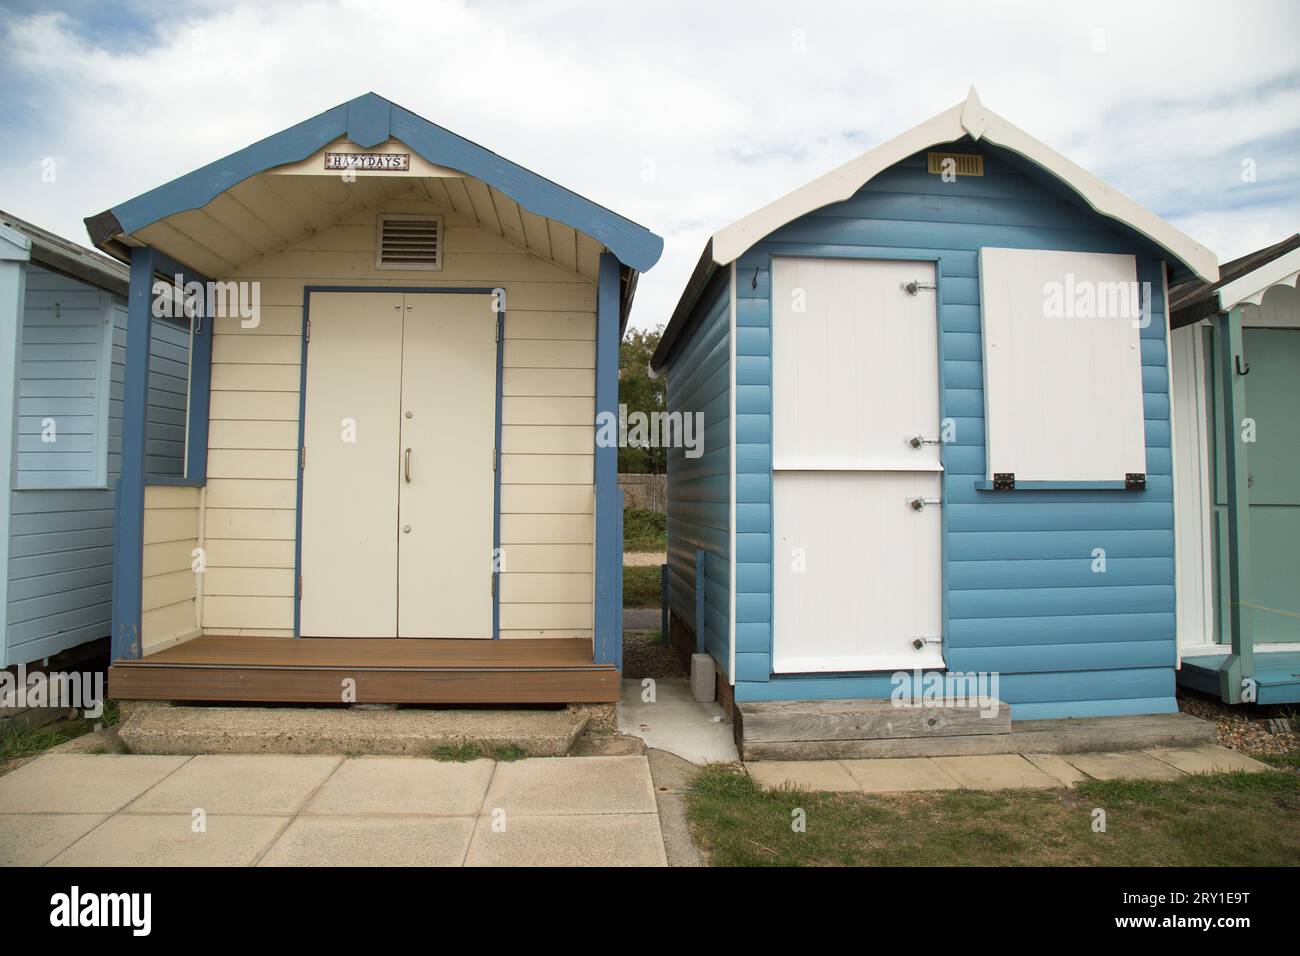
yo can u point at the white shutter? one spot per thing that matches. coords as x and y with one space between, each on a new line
1062 365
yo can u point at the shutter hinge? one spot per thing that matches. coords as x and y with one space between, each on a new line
1135 481
302 457
1004 481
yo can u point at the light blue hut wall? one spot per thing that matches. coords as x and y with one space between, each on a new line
699 488
1019 594
61 539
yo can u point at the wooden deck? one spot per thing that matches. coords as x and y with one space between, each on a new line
312 671
1277 674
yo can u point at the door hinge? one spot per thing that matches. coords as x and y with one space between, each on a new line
494 459
300 587
1004 481
493 589
918 504
309 330
302 457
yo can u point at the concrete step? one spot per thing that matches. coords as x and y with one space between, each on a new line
814 721
166 729
1077 735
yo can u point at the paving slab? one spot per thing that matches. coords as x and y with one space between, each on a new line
996 772
169 840
1208 759
33 839
547 786
388 785
613 839
827 775
82 783
676 722
372 841
1123 765
220 783
1055 766
893 776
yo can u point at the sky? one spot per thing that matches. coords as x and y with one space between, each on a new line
682 116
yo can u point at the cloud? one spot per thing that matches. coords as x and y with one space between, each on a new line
682 116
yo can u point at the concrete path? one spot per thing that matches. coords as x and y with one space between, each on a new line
269 810
644 559
675 722
642 619
995 771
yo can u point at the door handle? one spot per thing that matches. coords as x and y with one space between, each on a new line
407 458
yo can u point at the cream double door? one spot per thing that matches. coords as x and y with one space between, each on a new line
398 466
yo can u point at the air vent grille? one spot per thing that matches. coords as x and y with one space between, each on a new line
963 164
409 242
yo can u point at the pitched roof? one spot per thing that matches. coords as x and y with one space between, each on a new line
368 121
1197 299
63 255
969 118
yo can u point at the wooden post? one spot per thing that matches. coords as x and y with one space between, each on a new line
609 508
1240 664
700 557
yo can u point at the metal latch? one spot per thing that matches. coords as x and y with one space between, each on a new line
915 286
917 504
921 640
916 441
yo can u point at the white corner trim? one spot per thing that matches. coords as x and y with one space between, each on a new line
1250 288
973 118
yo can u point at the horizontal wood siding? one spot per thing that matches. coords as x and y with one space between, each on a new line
61 539
699 491
548 411
1020 595
169 585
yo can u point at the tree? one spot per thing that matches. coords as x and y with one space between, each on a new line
640 393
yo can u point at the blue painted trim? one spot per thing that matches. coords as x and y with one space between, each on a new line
128 540
986 485
701 556
302 426
169 481
369 120
608 619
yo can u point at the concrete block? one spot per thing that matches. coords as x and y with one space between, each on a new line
389 785
1208 759
814 775
372 841
557 786
996 772
223 783
704 677
615 839
1056 767
1123 765
169 840
893 776
82 783
33 839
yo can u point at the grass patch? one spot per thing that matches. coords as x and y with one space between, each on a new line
644 530
23 743
641 587
463 753
1233 819
1288 761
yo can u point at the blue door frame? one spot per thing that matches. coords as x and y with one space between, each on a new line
302 425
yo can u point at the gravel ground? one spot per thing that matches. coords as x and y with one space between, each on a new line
1258 731
644 656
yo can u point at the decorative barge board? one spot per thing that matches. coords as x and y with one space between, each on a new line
407 344
935 441
1235 372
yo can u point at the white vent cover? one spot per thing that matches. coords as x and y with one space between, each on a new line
409 242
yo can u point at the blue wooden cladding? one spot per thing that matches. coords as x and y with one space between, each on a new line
1020 593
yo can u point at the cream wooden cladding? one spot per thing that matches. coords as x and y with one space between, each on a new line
547 498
